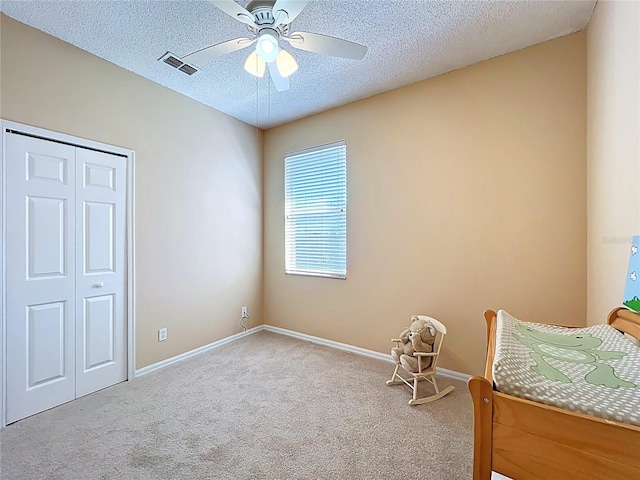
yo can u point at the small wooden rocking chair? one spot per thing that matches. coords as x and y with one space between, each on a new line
429 374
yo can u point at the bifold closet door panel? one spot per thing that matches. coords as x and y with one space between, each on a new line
40 275
101 334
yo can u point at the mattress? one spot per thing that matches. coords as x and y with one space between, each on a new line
593 370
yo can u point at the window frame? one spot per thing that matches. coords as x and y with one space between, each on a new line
335 250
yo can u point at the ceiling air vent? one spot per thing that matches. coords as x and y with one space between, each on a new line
188 69
174 61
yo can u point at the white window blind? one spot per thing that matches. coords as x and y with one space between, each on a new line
316 211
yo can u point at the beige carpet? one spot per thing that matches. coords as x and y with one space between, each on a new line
264 407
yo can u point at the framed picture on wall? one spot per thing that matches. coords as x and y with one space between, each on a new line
632 289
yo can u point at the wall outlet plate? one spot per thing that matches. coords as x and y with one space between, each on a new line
245 313
162 334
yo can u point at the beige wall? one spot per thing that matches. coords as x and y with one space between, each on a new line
466 191
198 184
613 140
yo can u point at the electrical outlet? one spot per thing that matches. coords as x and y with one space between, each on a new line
162 334
245 314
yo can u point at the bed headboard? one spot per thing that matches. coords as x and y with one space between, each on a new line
626 321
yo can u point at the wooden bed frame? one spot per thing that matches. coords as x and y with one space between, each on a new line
528 440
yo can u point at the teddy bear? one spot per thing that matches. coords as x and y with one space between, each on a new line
419 337
405 347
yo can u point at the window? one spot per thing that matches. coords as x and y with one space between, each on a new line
315 199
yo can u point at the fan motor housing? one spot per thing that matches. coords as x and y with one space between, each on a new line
260 4
262 11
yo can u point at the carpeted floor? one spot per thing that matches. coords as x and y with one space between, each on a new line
264 407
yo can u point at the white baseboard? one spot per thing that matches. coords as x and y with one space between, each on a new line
205 348
353 349
290 333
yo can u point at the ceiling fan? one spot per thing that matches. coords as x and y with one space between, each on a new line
268 22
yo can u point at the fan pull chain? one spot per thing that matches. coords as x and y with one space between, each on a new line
269 100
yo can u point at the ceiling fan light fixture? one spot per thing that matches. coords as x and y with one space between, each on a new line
267 46
286 64
255 65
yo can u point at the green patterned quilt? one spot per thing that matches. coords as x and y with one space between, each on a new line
593 370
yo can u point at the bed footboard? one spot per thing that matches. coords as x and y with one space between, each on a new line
529 440
482 394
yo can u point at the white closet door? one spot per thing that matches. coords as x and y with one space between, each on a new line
101 336
40 263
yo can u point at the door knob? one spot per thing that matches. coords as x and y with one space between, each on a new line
98 285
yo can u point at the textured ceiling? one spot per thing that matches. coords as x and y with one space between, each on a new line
408 41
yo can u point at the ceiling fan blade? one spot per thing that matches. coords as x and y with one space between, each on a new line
285 11
281 83
236 11
332 46
218 50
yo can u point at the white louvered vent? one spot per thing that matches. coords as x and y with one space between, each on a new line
188 69
174 61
